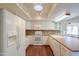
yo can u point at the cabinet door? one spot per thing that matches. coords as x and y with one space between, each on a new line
10 38
52 43
65 51
56 48
49 40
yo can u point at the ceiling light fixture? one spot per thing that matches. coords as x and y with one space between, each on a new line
63 16
38 7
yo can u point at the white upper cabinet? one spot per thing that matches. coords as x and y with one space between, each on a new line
28 25
41 25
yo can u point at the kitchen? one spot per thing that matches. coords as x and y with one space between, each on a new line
62 35
51 24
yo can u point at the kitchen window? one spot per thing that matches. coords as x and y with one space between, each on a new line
72 30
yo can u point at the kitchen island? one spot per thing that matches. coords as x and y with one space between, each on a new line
64 45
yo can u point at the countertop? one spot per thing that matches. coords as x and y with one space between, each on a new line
71 43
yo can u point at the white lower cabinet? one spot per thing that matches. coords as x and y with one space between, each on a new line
55 46
58 49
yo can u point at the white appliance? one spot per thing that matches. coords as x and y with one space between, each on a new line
38 37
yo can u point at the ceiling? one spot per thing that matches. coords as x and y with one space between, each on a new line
12 7
50 11
37 15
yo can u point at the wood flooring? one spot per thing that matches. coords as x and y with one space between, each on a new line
39 50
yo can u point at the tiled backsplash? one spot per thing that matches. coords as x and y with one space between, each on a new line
45 32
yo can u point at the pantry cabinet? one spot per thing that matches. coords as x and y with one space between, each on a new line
7 33
12 34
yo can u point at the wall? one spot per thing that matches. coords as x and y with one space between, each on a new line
21 42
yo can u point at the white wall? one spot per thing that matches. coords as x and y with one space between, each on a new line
21 42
